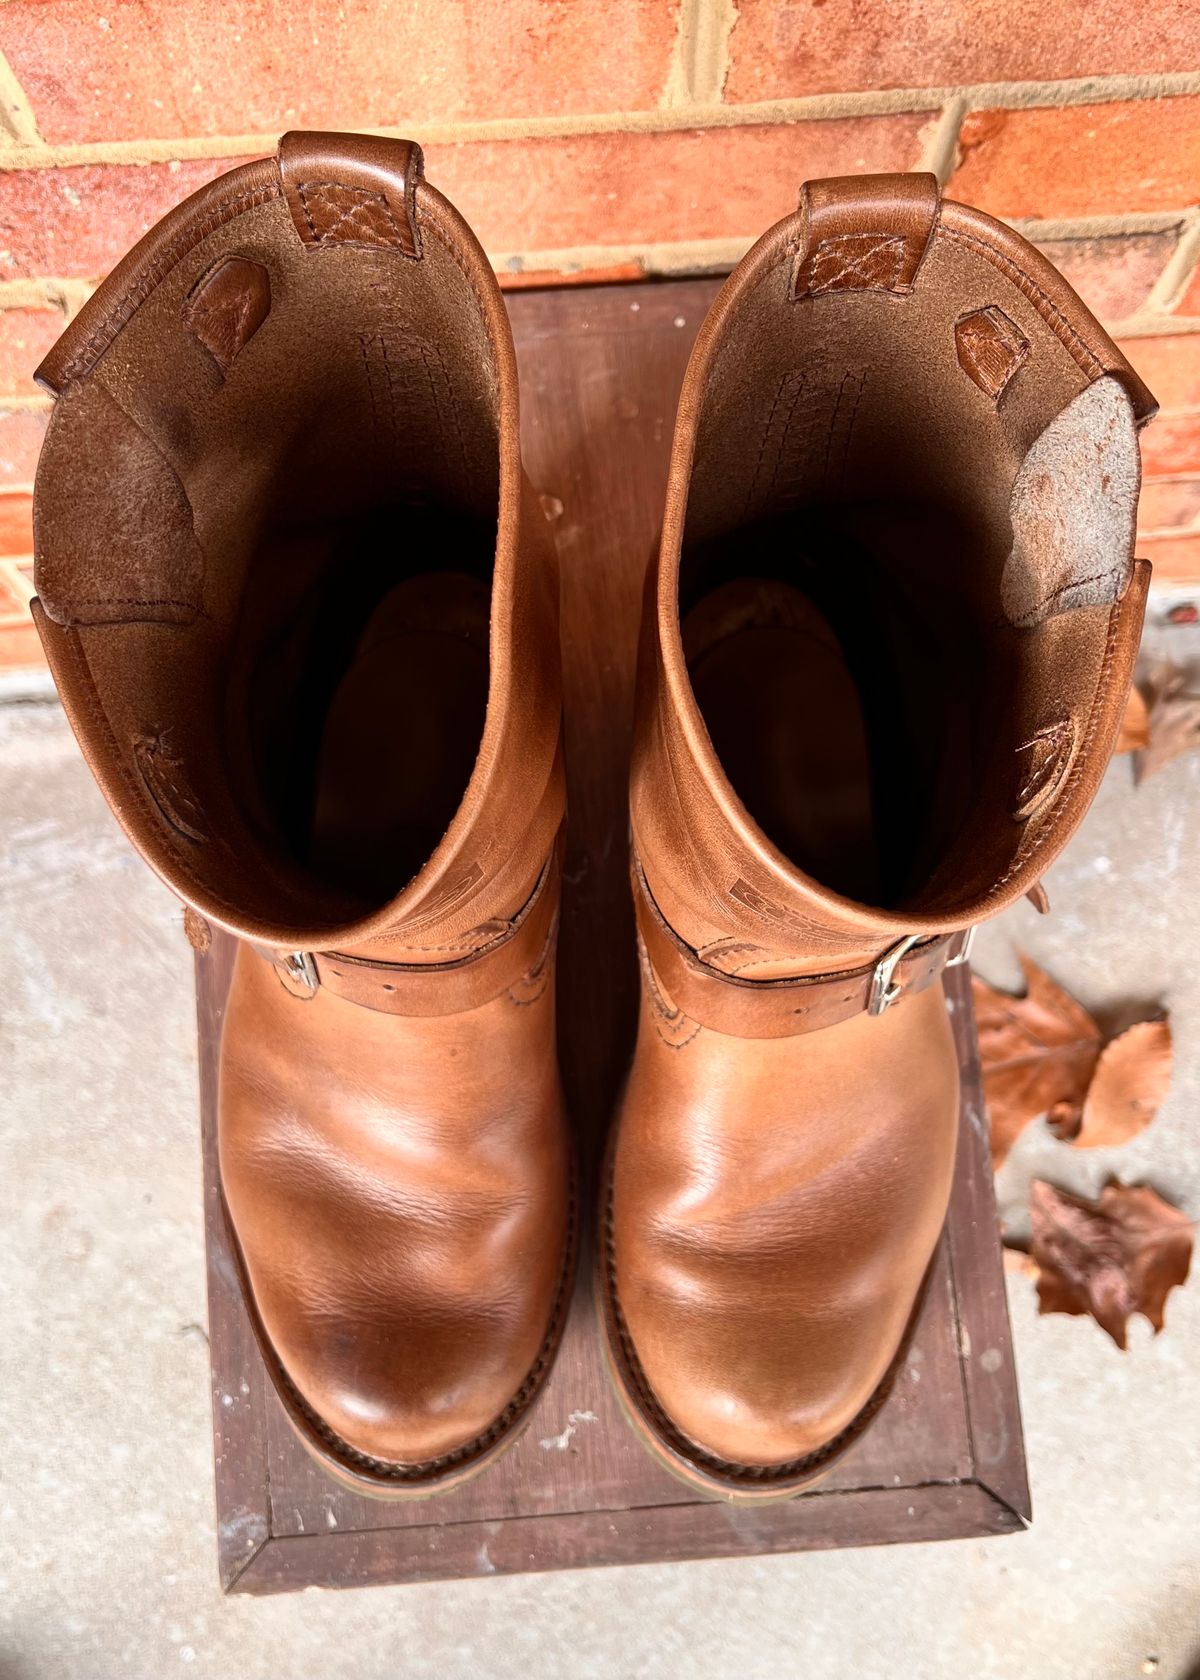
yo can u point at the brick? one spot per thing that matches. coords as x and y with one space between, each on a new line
1171 445
76 223
783 48
606 189
21 434
16 522
1114 275
1175 559
170 68
1169 504
1081 160
25 337
519 194
1170 365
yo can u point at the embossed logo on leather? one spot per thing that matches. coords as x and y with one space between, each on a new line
163 775
990 349
451 893
227 306
1049 753
854 262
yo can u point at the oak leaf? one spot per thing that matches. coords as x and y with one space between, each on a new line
1038 1054
1127 1089
1134 733
1173 721
1111 1258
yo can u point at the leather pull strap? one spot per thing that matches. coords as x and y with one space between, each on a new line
783 1008
864 233
353 189
518 959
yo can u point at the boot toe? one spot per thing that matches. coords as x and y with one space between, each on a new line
717 1391
450 1409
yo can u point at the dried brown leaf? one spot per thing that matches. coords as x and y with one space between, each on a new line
1120 1255
1173 718
1131 1079
1134 735
1038 1054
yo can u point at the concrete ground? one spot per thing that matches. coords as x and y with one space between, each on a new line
107 1553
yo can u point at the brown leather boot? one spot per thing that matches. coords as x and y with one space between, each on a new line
887 643
301 606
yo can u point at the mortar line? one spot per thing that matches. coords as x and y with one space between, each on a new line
17 121
1180 266
700 59
1011 96
940 152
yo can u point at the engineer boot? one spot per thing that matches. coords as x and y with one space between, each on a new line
887 642
300 604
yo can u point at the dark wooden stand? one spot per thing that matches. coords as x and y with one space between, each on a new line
600 371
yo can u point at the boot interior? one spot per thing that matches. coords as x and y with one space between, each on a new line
895 590
279 571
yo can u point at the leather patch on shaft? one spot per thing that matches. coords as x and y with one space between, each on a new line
990 349
352 189
853 262
864 233
227 306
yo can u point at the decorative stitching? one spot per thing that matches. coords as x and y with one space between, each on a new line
1027 619
991 349
673 1020
691 1451
352 207
1053 316
855 262
172 254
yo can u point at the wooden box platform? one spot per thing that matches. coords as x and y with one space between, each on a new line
601 369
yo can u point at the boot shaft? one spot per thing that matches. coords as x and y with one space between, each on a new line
281 503
891 624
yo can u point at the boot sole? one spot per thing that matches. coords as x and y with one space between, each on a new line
405 1482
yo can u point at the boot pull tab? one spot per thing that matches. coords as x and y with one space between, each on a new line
864 233
353 189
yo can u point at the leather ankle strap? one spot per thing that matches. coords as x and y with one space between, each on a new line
782 1008
516 960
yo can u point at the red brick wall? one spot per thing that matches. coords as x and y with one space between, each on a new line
623 136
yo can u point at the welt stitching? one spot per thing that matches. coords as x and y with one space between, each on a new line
397 1471
124 601
187 240
763 1474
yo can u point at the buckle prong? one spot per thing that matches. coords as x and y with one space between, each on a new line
884 987
298 968
962 952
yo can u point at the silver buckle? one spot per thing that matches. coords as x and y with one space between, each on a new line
962 950
297 969
884 988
